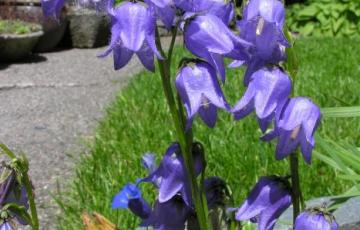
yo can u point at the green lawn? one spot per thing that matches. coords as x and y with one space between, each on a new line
138 121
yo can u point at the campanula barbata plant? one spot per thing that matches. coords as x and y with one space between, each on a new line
186 198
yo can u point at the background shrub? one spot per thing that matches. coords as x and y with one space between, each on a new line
338 18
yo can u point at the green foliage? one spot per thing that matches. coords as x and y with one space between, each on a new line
138 121
17 27
338 18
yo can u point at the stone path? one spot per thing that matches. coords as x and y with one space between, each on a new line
48 105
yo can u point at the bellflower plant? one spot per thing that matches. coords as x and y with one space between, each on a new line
296 126
132 31
207 37
185 197
268 91
200 92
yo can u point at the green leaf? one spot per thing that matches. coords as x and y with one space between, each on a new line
353 111
308 12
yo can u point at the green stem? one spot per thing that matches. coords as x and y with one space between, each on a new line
30 194
295 182
185 144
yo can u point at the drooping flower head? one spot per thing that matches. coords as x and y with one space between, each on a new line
132 31
207 37
296 126
267 92
11 191
269 198
171 177
262 25
315 219
200 91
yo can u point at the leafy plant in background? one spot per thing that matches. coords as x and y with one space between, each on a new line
325 18
186 198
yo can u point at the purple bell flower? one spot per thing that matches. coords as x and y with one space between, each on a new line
270 10
268 91
171 178
52 8
165 10
12 192
269 198
171 214
201 93
132 31
315 220
207 37
130 197
296 126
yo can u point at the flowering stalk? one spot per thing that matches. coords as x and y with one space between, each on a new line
295 182
292 67
183 137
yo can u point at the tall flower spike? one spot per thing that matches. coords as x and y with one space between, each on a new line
132 31
315 220
171 214
296 126
171 177
200 91
269 198
52 8
207 37
268 90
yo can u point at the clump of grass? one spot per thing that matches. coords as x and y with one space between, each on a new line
138 121
18 27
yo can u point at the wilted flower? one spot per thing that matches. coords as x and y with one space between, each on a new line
130 197
315 219
209 38
171 177
171 214
269 198
200 91
268 90
132 31
52 8
296 126
216 192
11 191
